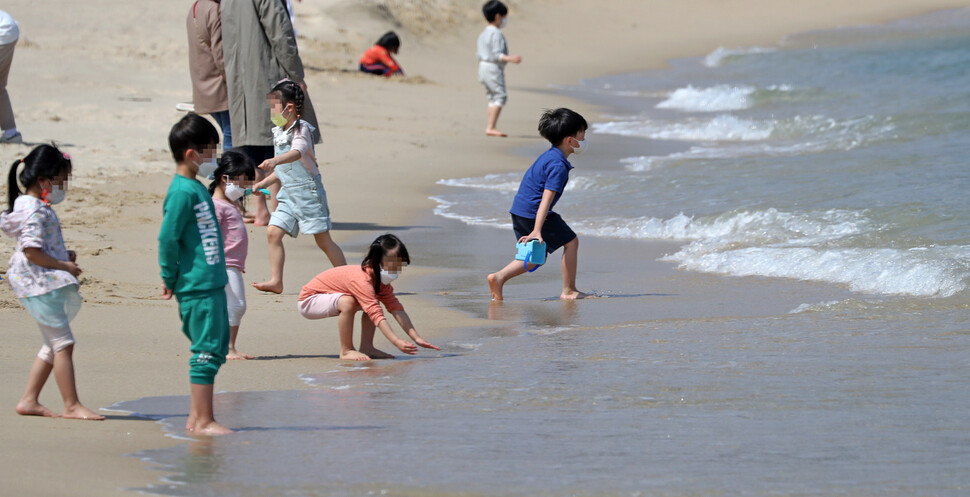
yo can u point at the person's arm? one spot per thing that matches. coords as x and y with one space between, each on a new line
173 224
387 60
279 33
292 155
544 206
215 40
267 182
500 49
43 259
402 345
405 321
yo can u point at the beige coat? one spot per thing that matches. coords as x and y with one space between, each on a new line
259 49
205 58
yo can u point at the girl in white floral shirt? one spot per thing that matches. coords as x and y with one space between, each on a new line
43 274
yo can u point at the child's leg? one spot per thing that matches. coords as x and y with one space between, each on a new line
200 411
329 247
236 298
367 329
570 256
497 280
493 113
64 374
29 404
274 235
347 306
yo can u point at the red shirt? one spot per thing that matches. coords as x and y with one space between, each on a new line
380 54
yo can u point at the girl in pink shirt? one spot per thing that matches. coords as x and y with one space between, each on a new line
233 179
344 290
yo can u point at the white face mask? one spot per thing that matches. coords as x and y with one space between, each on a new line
207 168
387 277
56 195
505 22
583 146
234 192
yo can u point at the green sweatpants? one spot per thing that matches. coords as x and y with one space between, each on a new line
205 321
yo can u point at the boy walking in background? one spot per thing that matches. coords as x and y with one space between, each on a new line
493 54
540 189
190 253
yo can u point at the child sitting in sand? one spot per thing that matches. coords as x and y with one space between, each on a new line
540 189
302 200
235 174
43 275
378 60
342 291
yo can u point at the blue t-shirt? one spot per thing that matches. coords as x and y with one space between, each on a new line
549 172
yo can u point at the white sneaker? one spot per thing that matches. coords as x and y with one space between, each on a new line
15 138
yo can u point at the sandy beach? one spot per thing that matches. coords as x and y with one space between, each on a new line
104 87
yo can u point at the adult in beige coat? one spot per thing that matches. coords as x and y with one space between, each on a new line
259 49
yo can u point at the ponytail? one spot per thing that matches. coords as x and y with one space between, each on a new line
44 161
13 190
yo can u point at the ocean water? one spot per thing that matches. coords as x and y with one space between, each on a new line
806 335
838 157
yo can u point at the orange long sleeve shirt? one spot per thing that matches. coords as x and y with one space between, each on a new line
355 281
380 54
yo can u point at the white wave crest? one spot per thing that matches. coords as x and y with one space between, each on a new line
716 98
718 56
720 128
879 270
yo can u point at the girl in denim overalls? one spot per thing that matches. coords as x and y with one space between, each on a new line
302 199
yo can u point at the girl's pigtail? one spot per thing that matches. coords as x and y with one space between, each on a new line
13 190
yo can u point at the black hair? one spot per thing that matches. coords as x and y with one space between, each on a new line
44 161
192 132
390 41
556 125
493 8
233 163
288 91
378 249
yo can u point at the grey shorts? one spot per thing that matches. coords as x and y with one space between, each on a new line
492 76
302 209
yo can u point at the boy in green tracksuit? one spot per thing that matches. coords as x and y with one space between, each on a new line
190 252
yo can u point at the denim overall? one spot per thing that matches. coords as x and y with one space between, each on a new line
301 196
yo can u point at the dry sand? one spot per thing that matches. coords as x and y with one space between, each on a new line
101 78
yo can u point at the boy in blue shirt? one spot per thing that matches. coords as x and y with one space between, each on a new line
540 189
191 255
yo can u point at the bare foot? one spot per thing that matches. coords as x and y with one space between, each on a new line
353 355
375 353
495 287
236 355
34 409
576 295
81 412
269 286
211 429
495 132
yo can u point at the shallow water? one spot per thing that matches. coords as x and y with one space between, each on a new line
838 157
804 404
832 361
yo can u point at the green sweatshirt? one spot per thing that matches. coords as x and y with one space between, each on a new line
190 249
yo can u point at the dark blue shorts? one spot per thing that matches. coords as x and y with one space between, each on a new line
555 231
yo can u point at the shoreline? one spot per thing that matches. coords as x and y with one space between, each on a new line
388 128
